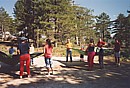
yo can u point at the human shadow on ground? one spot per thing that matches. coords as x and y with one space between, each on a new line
76 75
8 71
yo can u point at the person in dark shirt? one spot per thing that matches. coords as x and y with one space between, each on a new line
101 55
23 51
117 47
82 55
100 45
11 50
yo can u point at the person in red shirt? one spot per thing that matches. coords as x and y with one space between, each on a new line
100 43
48 49
100 49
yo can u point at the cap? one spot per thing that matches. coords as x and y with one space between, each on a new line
23 38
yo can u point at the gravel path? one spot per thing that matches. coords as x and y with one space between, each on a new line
67 75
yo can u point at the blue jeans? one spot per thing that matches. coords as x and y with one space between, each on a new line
117 57
48 62
68 51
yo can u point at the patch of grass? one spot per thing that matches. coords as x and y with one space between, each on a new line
4 48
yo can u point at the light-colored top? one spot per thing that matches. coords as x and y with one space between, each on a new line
31 49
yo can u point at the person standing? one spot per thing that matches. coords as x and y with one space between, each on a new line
68 50
48 49
23 50
91 53
11 50
117 47
82 55
32 51
101 52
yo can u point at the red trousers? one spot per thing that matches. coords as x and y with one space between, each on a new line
25 58
90 59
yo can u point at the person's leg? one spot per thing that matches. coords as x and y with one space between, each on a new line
80 58
115 58
83 57
67 52
89 61
21 65
70 56
50 62
47 65
91 56
118 59
101 61
48 70
21 68
28 64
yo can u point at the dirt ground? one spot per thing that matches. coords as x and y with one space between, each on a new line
68 75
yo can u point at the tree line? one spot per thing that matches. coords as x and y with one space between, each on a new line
60 19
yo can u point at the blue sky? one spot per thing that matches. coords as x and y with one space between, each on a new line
8 5
111 7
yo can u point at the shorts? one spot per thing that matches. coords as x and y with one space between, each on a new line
48 62
117 54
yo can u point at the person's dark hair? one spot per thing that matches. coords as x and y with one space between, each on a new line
91 41
48 41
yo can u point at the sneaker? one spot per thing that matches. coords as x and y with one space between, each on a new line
20 77
29 76
119 64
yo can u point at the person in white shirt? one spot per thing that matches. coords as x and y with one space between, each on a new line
32 51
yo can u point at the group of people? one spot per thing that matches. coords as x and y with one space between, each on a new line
24 48
90 51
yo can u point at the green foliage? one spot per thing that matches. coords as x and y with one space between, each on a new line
103 22
5 21
121 29
57 18
80 51
126 54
